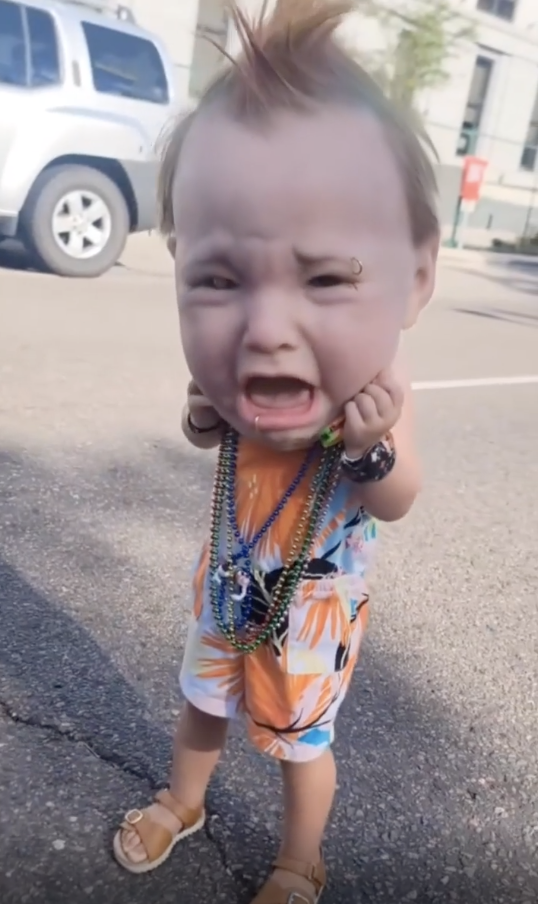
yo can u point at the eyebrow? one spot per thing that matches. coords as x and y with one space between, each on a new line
220 253
310 259
214 254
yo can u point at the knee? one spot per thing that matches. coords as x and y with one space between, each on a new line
200 730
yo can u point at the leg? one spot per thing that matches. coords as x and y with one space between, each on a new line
308 796
198 744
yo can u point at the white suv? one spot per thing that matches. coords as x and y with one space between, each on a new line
84 96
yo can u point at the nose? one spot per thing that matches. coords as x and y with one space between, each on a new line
270 323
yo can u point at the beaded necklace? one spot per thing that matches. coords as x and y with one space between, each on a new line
231 589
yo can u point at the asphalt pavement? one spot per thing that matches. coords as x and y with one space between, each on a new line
103 505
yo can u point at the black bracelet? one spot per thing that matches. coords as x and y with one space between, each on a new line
198 430
374 465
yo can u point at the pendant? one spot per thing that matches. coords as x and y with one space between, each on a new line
223 573
239 579
242 582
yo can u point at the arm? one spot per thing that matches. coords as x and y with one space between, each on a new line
391 498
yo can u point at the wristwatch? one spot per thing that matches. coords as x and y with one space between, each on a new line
374 465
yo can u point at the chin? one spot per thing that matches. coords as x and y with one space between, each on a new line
287 440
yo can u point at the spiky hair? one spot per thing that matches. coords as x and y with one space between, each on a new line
291 59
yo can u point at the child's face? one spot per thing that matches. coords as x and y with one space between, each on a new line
278 326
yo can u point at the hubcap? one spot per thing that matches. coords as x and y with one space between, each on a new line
81 224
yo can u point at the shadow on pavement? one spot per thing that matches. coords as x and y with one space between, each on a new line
88 654
13 257
521 318
524 278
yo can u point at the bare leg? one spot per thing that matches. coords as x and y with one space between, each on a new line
198 744
308 796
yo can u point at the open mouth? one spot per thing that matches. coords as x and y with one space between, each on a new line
277 403
278 392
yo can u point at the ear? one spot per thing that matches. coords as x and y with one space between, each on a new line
424 282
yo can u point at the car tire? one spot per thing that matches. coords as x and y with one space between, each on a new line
75 221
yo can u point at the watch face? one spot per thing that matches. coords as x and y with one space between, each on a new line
374 466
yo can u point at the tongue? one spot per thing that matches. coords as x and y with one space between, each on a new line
278 392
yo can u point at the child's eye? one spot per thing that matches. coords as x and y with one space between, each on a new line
327 281
217 283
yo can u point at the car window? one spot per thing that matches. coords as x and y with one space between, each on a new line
29 54
13 65
44 54
125 65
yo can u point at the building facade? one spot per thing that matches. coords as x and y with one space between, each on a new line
487 107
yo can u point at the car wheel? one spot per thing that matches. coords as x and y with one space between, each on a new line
75 221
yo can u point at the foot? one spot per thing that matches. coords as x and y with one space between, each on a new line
147 837
130 841
293 881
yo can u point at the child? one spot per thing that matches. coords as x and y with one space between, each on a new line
300 207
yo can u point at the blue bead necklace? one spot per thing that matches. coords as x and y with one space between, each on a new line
234 576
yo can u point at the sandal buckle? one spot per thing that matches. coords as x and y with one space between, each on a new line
133 817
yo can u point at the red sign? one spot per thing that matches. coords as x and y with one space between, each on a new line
472 178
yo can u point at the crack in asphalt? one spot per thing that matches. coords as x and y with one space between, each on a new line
118 762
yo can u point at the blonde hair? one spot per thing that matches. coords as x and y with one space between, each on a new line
291 59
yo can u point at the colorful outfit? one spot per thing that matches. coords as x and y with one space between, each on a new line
291 687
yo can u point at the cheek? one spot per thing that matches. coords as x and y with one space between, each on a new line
357 345
208 339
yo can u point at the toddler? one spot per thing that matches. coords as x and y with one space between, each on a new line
300 208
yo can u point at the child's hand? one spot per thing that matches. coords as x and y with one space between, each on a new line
371 414
202 413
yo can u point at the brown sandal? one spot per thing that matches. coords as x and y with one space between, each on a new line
273 893
158 841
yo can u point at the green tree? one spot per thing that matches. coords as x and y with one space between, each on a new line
422 37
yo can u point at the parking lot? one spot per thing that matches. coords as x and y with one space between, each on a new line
103 505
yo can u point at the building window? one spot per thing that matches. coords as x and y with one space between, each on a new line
475 105
125 65
29 53
503 9
530 148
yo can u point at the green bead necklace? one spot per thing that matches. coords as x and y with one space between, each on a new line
250 636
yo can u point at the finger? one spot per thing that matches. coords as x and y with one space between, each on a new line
199 402
367 408
383 401
354 424
386 380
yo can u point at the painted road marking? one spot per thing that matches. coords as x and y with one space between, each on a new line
475 383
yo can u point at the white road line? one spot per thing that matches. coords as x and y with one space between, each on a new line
476 383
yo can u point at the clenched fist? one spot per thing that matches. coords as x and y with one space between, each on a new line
371 414
201 411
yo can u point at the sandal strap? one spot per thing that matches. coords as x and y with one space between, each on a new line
155 838
312 872
187 817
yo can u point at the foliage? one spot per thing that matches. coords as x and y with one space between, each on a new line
423 35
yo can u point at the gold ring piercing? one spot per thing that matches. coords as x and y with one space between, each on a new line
356 266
